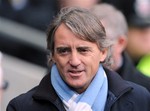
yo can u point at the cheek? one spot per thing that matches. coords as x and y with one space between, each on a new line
61 66
59 61
93 62
92 59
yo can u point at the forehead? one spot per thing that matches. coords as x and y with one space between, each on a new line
64 31
64 35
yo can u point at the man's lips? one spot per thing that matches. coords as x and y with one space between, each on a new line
75 72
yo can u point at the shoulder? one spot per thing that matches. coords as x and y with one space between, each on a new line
27 95
119 86
128 96
138 98
139 92
17 103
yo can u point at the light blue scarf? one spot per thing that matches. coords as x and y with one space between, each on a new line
93 99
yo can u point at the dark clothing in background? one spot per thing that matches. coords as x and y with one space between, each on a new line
126 6
129 72
136 11
122 96
36 13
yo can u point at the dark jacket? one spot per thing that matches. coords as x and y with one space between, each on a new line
36 13
122 96
129 72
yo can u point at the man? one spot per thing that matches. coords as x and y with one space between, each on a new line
137 13
138 46
139 30
77 80
116 29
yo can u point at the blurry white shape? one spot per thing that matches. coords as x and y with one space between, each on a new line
21 75
142 8
19 4
1 79
1 74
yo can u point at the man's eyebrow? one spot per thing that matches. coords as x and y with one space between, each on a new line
60 48
67 47
84 47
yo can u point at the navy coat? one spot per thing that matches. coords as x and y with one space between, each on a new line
129 72
122 96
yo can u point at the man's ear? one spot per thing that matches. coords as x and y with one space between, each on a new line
103 54
122 43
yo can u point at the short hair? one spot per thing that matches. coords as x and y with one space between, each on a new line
84 24
116 23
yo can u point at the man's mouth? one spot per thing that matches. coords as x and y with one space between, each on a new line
75 73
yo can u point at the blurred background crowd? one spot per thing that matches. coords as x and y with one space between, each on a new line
23 25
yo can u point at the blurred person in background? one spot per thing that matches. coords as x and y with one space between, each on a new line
138 46
81 3
37 13
144 65
139 30
137 13
77 81
116 29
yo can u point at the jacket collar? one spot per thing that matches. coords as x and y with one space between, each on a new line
117 87
116 84
46 92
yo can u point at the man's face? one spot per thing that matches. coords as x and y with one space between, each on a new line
77 60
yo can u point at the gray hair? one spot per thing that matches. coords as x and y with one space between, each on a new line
116 24
84 24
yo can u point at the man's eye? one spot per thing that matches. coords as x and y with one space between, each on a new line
63 50
83 50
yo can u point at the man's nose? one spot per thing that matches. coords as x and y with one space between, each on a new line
74 59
